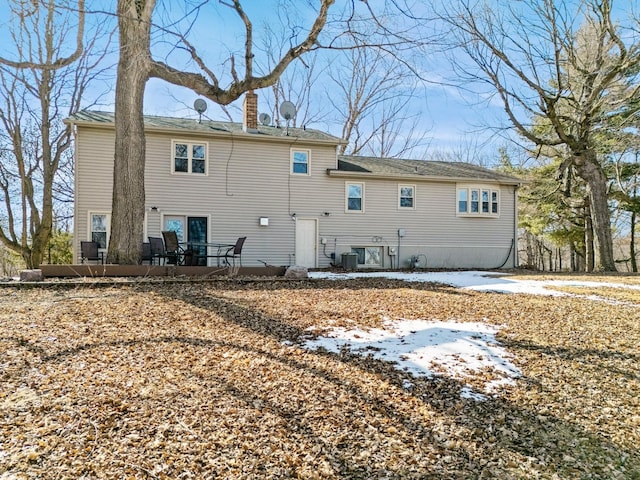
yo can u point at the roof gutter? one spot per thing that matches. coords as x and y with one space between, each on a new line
412 176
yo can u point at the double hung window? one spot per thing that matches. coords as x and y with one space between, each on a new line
355 197
99 228
189 157
407 196
300 162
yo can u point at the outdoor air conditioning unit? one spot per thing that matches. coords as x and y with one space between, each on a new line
349 261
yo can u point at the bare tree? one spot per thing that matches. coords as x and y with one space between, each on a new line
241 72
542 66
299 82
369 92
469 149
375 93
135 67
38 88
626 192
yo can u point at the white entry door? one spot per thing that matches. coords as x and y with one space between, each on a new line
306 242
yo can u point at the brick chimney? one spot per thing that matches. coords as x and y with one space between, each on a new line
250 112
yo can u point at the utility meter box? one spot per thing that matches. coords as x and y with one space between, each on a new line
349 261
393 251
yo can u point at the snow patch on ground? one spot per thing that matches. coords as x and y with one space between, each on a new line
476 280
429 348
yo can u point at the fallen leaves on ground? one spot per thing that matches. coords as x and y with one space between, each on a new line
607 294
208 380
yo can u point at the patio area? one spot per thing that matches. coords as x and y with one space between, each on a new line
113 270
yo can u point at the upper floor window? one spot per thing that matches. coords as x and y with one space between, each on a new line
355 197
300 162
189 157
407 196
478 200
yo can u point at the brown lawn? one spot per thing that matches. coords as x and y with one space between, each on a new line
208 380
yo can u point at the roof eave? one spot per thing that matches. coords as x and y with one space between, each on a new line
411 176
211 133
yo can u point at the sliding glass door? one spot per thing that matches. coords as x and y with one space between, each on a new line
189 230
197 233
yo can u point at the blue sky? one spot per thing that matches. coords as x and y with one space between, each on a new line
451 119
447 118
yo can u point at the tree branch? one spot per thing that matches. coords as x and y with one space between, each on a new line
199 84
59 62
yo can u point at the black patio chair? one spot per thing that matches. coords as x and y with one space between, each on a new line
146 254
158 251
174 251
232 252
90 251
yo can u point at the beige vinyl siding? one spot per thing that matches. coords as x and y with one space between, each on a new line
433 229
94 150
248 178
245 181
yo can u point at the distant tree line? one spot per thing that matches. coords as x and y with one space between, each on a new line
567 75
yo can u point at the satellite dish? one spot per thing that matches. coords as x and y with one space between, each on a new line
265 119
288 110
200 105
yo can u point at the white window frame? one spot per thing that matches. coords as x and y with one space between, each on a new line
307 152
495 193
367 253
181 233
90 215
480 200
190 144
346 197
413 197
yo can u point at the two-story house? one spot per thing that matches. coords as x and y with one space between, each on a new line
295 199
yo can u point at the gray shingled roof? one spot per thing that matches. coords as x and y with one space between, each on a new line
392 167
191 125
388 167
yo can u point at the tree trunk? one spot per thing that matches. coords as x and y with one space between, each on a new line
577 258
632 243
127 215
540 254
559 259
589 251
590 171
43 227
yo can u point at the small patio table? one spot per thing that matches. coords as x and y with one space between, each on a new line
211 247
